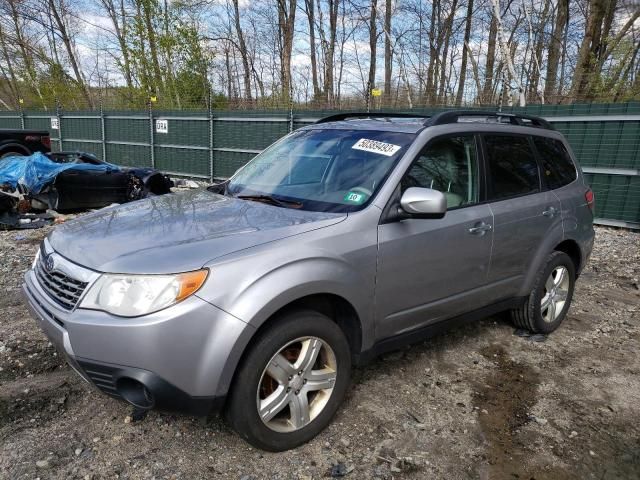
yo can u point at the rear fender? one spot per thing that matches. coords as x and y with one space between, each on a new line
553 238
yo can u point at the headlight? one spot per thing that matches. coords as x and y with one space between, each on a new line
135 295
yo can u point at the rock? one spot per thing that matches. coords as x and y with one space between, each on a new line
573 434
345 442
340 470
43 464
78 452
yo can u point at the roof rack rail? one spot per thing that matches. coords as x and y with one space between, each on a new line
453 116
346 115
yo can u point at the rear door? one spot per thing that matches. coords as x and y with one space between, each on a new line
431 269
523 212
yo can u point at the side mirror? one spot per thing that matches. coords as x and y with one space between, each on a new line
423 203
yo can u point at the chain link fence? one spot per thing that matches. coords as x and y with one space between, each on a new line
212 144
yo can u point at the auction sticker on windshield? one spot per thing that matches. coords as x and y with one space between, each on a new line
374 146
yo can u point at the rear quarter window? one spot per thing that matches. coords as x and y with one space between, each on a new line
558 169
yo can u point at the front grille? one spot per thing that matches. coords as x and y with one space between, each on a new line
62 289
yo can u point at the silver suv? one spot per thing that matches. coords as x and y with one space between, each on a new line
343 240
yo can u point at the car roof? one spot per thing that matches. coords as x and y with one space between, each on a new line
386 124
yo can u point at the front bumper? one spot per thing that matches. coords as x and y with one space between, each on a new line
179 354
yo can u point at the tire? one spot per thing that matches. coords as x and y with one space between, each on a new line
556 293
296 331
10 153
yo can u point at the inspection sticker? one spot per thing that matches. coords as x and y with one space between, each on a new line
374 146
355 197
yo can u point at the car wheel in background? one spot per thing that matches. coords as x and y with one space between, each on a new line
10 153
291 382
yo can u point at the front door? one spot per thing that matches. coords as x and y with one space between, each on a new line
432 269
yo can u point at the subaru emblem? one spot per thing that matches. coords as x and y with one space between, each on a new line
49 263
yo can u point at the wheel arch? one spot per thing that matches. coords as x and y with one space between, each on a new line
572 249
334 306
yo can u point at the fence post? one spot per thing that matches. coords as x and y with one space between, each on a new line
104 137
59 117
21 116
211 139
291 109
151 136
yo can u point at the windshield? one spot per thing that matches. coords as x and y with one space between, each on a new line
322 170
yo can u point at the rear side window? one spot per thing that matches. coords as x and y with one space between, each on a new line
557 167
512 166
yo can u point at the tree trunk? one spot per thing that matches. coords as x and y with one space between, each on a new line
373 41
310 11
507 54
490 62
62 29
243 52
24 50
590 43
555 47
329 61
433 53
147 6
446 35
388 59
286 23
463 63
536 54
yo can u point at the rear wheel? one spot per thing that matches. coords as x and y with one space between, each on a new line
548 303
291 382
10 153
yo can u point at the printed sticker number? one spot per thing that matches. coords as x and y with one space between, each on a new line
373 146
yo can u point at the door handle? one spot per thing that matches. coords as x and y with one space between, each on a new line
550 212
480 229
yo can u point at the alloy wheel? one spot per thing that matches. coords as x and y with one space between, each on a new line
296 384
556 290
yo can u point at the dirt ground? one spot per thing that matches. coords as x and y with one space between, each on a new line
478 402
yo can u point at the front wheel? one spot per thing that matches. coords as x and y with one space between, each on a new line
548 303
291 382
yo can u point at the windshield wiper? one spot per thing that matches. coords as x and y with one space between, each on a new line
272 200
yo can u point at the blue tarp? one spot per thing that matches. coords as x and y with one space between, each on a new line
37 171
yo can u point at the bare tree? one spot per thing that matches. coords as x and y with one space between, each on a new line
242 46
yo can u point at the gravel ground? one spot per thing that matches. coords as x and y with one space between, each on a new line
478 402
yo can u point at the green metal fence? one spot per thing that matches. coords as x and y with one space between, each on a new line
214 144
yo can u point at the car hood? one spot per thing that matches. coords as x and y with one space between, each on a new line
177 232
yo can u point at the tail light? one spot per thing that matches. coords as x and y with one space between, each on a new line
46 141
590 198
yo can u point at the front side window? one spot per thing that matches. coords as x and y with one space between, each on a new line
557 167
512 167
323 170
449 165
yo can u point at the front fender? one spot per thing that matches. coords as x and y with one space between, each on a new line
254 286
